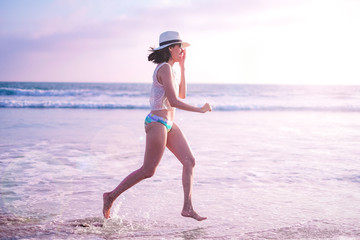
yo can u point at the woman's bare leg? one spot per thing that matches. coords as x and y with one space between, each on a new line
178 145
156 138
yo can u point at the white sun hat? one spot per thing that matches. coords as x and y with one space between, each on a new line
169 38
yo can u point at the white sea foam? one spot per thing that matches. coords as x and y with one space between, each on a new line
222 97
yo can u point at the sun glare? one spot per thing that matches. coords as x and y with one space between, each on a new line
313 47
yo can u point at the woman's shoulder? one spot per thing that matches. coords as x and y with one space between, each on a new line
164 64
164 67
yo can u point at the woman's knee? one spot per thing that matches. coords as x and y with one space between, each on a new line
148 172
189 162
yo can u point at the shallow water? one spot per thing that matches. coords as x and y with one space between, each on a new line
259 175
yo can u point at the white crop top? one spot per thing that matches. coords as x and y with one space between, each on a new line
158 99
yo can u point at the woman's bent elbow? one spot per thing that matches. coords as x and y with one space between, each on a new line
174 103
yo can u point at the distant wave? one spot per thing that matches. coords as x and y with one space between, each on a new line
127 105
50 105
289 108
222 97
67 93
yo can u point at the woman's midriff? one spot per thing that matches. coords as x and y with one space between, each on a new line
167 114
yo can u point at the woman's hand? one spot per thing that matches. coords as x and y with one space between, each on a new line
182 58
206 108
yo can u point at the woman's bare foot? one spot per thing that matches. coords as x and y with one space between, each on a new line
192 214
107 205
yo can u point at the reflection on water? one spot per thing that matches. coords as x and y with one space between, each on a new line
15 227
262 175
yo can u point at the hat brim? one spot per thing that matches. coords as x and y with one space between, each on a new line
183 45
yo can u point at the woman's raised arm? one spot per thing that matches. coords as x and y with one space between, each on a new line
182 86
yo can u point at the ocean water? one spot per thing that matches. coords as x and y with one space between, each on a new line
224 97
272 162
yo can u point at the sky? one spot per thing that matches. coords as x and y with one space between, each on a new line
232 41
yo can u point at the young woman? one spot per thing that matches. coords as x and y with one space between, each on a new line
161 131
